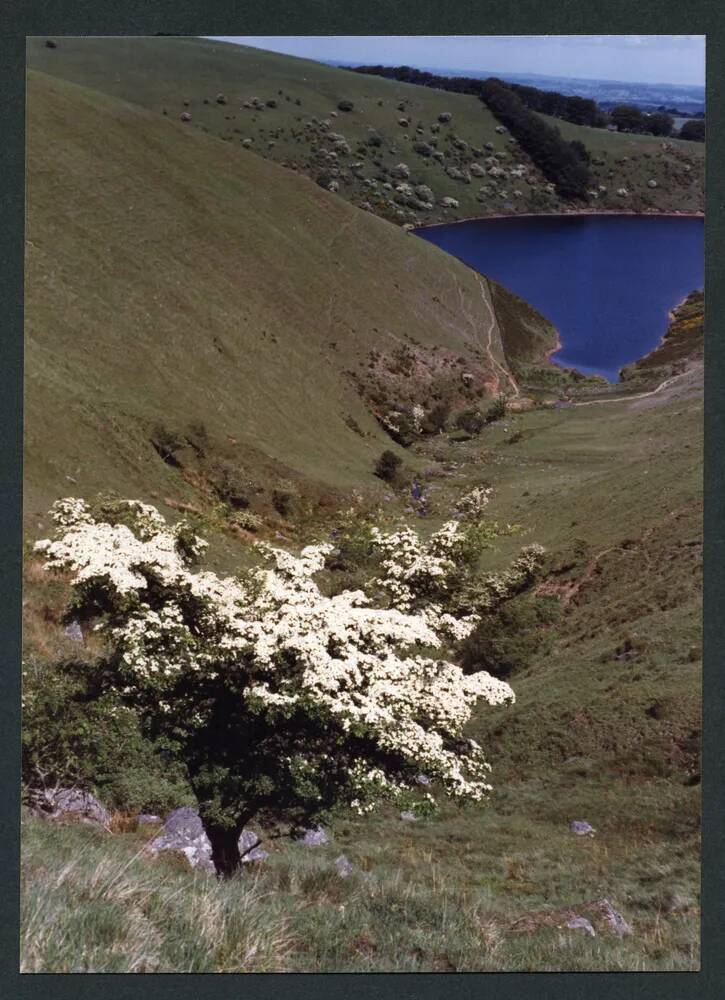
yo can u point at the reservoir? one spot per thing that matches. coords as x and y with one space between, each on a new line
607 283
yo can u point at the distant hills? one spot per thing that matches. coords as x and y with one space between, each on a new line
686 98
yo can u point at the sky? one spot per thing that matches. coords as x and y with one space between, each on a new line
631 58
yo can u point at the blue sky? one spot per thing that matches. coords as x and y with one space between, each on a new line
631 58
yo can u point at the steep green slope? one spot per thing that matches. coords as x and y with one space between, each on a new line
463 158
172 281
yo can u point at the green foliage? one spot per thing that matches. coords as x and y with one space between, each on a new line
436 419
470 421
506 641
248 521
627 118
693 130
74 732
496 411
230 484
167 442
388 466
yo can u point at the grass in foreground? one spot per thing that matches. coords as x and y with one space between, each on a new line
431 896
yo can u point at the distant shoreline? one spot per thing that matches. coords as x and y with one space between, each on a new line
564 215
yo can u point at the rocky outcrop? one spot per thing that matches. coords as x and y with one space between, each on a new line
64 803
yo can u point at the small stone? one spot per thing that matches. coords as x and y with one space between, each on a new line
74 631
343 866
581 828
148 819
581 923
315 838
408 816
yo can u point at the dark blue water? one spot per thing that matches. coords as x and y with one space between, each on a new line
606 283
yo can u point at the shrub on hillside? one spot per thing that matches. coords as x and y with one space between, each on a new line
167 442
280 702
436 419
230 484
496 411
345 105
388 466
694 130
470 421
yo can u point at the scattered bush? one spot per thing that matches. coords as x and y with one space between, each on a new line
345 106
694 130
496 411
230 484
167 443
436 419
470 421
248 521
388 466
282 501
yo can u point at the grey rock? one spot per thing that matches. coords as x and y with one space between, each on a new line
74 631
445 116
183 831
343 866
315 838
408 816
250 847
423 779
613 917
581 923
581 828
73 802
148 819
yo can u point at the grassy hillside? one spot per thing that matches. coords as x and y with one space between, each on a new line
172 281
605 729
358 149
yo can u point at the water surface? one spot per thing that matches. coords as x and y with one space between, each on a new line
606 282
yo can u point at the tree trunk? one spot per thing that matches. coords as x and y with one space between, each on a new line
225 849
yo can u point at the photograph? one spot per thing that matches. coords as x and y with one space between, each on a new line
362 503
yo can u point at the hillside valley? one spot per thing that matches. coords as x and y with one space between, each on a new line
212 331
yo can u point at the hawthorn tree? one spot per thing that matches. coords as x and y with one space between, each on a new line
279 701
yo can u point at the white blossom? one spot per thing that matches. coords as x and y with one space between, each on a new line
364 666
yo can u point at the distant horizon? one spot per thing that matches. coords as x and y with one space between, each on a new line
538 76
600 58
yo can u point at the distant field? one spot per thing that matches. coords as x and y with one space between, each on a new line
164 73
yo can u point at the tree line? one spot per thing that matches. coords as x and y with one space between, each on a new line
563 163
577 110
